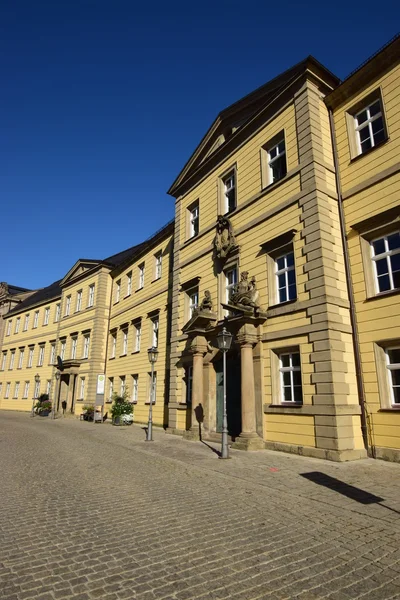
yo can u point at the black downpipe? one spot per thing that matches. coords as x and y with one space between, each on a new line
356 345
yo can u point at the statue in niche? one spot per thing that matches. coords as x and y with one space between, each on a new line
206 303
246 292
224 240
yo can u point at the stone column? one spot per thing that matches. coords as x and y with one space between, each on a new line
70 391
198 349
248 439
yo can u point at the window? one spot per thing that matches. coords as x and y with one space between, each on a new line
7 392
231 278
21 358
110 388
3 361
124 342
152 388
290 377
86 344
189 384
26 322
63 347
26 389
285 277
78 301
35 319
194 215
52 353
386 260
276 162
46 316
30 356
17 324
37 389
41 355
393 365
229 192
74 344
16 389
135 388
129 284
193 301
122 385
154 332
113 345
1 388
82 388
12 358
67 306
9 327
138 335
91 295
117 290
58 312
158 265
48 386
370 127
141 276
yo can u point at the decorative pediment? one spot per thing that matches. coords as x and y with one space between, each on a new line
79 268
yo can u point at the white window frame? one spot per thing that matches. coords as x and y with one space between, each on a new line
158 265
86 345
67 306
31 352
9 325
17 324
74 346
230 285
58 313
141 273
91 295
125 338
285 271
227 188
110 388
7 390
122 385
26 390
280 152
117 291
155 326
138 335
135 388
385 255
194 220
46 315
35 319
129 284
48 386
3 361
63 348
16 390
390 368
26 322
290 369
12 359
41 355
21 358
113 350
82 383
368 123
36 390
52 353
78 301
193 301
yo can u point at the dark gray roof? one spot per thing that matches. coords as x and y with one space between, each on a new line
47 293
15 289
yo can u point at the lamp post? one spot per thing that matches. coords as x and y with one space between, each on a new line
37 380
53 411
224 340
153 355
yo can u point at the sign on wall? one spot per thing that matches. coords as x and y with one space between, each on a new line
100 384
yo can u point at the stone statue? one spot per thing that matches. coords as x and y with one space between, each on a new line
3 288
246 293
206 303
224 240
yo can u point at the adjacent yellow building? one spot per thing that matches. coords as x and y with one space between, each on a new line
286 233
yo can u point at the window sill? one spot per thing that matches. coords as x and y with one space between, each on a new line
282 304
135 352
112 358
91 306
157 279
122 355
355 158
116 302
77 311
148 403
138 290
127 296
392 409
283 408
383 295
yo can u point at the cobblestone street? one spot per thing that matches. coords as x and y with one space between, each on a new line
93 512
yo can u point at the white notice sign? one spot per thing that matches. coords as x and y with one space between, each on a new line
100 384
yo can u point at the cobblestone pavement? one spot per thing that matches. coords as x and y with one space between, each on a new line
93 512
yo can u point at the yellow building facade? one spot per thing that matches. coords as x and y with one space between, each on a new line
286 217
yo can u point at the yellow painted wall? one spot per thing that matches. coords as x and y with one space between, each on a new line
290 429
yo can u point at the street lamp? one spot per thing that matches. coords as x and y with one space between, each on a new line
37 380
53 411
224 340
153 355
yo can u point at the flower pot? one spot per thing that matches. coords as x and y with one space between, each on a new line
44 413
117 420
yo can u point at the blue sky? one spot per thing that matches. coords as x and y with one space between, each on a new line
102 103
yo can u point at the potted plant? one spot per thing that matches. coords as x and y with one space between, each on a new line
122 409
43 405
89 412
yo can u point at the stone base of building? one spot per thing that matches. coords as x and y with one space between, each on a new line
333 455
248 443
389 454
174 431
192 435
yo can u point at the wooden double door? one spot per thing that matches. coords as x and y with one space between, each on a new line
233 394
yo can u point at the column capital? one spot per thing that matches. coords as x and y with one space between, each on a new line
199 345
247 335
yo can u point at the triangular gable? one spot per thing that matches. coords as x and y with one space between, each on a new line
80 267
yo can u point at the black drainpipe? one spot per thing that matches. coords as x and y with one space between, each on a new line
356 345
